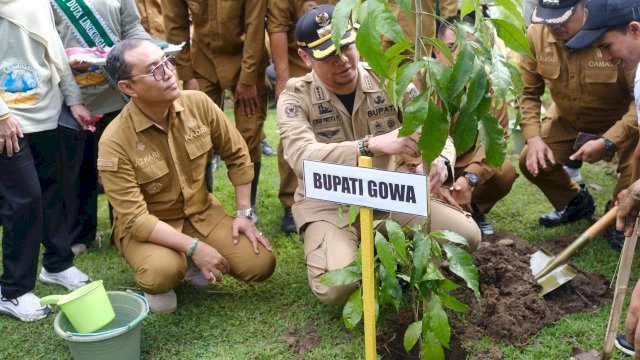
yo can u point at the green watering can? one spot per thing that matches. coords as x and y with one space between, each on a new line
88 308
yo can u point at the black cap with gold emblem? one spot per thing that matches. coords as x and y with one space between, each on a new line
313 33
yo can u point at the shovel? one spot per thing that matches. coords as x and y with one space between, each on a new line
553 271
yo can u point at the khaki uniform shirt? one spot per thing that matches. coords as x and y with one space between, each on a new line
590 94
314 125
448 8
151 17
151 175
282 16
228 39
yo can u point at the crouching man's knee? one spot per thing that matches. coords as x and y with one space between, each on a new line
157 276
332 295
258 268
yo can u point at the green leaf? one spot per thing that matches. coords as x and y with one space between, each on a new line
405 5
412 334
340 19
501 76
466 8
415 114
369 46
513 36
447 285
492 138
465 131
399 49
398 241
435 133
514 9
516 78
453 303
390 291
387 22
406 74
352 311
421 253
477 88
441 46
433 273
450 236
385 253
431 347
354 211
438 321
342 276
461 70
461 264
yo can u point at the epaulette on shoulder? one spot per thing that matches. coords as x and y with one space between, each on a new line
298 82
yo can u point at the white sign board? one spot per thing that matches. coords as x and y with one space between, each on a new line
372 188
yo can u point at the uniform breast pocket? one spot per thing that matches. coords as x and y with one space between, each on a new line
601 86
549 71
154 181
198 151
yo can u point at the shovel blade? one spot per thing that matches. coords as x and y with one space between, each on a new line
556 278
561 274
539 261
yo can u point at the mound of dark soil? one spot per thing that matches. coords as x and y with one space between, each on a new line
510 308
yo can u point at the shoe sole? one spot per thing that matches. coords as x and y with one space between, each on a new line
24 319
624 349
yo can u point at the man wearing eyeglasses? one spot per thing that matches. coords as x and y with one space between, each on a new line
151 160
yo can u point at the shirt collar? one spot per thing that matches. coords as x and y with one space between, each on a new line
142 122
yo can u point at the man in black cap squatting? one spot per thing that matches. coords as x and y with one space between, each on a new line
336 113
590 95
613 27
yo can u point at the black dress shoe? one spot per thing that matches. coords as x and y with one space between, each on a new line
288 226
483 224
614 237
267 150
580 207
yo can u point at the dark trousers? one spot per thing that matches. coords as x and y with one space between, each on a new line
32 213
86 224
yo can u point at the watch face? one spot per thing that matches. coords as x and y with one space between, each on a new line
473 178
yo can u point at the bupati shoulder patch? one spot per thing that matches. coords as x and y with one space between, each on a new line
108 164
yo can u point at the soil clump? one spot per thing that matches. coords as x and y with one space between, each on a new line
510 309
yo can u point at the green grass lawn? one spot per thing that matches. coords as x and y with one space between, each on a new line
254 321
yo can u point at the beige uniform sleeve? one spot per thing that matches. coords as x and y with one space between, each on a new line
124 193
627 126
533 90
253 50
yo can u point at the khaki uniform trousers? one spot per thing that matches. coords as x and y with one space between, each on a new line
159 269
328 247
554 181
288 180
250 127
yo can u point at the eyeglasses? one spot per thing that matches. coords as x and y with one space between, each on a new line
158 71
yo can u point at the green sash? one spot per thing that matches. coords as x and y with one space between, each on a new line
87 26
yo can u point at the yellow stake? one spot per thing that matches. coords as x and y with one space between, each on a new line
366 239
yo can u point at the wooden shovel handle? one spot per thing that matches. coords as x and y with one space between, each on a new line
606 220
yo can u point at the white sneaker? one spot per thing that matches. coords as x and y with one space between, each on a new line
573 173
194 276
26 307
162 303
78 248
72 278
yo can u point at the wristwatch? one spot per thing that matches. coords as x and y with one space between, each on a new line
472 179
245 213
610 148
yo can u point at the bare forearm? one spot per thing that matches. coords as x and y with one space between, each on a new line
243 196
